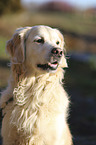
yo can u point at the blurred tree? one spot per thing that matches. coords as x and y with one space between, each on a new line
9 6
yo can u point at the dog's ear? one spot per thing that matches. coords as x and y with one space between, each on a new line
16 47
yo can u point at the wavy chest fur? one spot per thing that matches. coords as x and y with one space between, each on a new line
40 107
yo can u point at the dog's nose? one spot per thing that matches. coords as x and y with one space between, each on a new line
57 52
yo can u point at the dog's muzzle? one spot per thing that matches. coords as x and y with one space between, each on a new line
55 57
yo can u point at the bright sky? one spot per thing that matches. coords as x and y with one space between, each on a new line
78 3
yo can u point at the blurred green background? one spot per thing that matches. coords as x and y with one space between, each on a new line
79 29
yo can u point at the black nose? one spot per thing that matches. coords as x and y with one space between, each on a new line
57 52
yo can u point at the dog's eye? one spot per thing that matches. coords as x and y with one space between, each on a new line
57 42
41 40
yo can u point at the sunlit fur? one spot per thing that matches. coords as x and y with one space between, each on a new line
38 114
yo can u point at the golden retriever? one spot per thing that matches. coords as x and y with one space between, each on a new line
35 105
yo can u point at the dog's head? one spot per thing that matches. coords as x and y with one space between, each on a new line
40 47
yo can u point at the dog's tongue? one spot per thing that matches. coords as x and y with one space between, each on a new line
54 65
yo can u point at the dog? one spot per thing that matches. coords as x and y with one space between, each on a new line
35 105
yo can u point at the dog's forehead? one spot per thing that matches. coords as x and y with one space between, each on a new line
45 31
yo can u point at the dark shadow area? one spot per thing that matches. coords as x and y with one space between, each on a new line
80 83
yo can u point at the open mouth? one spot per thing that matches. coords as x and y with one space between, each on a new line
48 66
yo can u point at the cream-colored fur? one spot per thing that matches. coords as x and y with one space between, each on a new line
38 113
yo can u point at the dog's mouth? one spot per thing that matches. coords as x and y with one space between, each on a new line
48 66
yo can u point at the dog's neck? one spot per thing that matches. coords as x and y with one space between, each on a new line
35 83
20 73
20 77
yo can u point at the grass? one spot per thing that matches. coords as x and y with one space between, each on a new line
4 76
72 22
3 54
